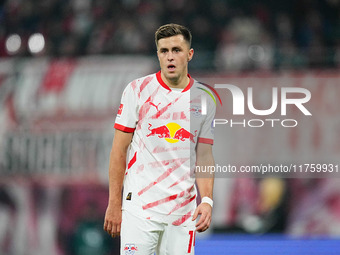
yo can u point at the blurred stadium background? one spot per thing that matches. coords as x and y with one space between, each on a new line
63 66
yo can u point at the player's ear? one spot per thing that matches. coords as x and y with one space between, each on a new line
190 54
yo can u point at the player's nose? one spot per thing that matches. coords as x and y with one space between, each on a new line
170 56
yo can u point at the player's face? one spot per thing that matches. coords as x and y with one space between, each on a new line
173 55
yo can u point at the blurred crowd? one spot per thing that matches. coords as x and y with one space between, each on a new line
228 34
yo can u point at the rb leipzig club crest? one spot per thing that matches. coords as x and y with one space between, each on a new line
130 249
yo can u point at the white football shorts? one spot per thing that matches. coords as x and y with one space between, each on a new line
148 237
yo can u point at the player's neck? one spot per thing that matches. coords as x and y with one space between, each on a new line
179 83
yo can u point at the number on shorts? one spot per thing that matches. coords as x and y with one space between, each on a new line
191 240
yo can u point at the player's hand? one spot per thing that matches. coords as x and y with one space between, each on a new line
204 210
113 220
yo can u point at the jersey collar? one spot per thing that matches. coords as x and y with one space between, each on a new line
159 79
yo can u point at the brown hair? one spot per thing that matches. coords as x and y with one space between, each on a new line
169 30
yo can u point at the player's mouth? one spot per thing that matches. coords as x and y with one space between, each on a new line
171 68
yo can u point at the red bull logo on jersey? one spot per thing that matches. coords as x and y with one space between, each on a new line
130 249
171 132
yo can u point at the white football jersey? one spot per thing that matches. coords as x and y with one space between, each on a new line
167 123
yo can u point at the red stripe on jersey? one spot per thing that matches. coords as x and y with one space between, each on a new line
177 164
165 162
161 201
184 177
205 140
159 149
178 206
133 160
139 169
179 116
167 199
181 220
123 128
144 83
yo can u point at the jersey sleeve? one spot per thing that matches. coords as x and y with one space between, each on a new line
206 134
127 115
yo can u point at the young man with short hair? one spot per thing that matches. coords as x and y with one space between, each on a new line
161 135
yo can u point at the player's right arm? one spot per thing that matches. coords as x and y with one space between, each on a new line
113 215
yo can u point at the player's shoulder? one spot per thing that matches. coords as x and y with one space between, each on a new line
142 81
136 86
201 85
201 88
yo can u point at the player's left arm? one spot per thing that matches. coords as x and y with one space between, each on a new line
205 184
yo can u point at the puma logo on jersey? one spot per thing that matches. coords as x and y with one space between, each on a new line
156 106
